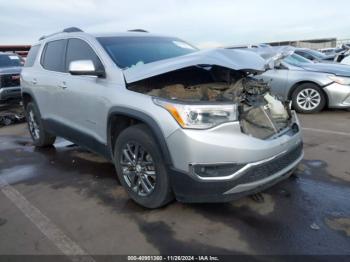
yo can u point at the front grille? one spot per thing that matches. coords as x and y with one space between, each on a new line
9 80
267 169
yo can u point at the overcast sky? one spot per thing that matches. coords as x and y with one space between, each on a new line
202 22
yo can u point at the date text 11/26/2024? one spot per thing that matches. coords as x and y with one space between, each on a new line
173 258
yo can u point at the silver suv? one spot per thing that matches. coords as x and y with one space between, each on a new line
174 120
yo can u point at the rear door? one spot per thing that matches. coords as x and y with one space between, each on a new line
47 82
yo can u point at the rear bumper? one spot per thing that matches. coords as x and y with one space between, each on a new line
254 179
10 92
338 95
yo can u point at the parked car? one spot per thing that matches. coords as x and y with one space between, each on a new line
314 55
331 51
248 46
310 86
10 68
343 54
175 121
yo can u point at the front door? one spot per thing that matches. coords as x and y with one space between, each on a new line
84 104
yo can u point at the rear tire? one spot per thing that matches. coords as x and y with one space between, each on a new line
140 167
308 98
41 138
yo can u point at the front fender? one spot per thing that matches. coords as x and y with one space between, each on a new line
145 118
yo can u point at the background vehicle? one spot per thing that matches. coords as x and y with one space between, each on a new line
160 109
314 55
311 86
10 68
341 55
331 51
248 46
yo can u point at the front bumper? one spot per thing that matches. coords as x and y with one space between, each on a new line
256 178
226 144
10 92
260 163
338 95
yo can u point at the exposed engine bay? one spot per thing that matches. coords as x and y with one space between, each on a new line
261 114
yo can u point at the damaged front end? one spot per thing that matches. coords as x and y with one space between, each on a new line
204 96
262 115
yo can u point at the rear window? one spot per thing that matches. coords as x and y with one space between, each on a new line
9 60
33 53
53 56
132 51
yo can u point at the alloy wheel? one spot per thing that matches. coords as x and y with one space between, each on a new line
33 125
308 99
138 169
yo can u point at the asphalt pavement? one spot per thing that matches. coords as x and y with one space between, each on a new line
66 200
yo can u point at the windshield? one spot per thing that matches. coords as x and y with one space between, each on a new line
9 60
296 60
132 51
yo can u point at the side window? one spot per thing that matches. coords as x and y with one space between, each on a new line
33 52
80 50
53 56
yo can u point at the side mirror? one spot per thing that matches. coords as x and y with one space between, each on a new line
84 67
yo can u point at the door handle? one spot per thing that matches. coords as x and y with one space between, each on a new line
63 85
34 81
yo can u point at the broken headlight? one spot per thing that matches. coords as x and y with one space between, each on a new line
199 116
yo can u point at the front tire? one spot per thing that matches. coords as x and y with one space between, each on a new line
308 98
140 167
41 138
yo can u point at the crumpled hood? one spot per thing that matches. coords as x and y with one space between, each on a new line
233 59
336 69
10 70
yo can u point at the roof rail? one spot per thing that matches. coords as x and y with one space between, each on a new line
72 29
138 30
66 30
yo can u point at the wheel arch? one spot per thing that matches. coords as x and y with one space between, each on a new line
26 98
119 118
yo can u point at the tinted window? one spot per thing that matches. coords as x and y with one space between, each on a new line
54 56
80 50
131 51
33 52
9 60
